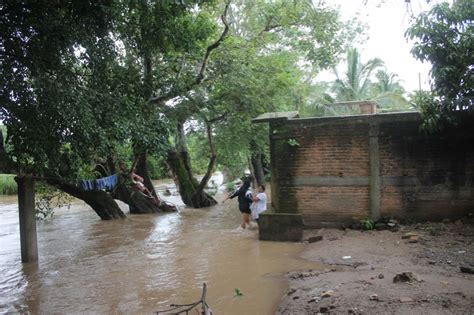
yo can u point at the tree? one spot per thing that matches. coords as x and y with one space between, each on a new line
444 37
47 105
252 33
356 82
388 92
73 90
359 83
169 38
258 69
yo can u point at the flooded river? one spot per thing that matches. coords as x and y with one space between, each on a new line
142 264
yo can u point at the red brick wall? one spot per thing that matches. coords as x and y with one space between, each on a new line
327 177
425 177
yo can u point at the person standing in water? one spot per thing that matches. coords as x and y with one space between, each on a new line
244 195
259 204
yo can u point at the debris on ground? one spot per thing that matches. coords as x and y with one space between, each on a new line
467 269
315 239
406 277
327 293
406 299
432 276
409 235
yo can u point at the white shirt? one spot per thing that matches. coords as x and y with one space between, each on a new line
260 205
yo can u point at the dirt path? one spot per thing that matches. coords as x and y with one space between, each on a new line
364 283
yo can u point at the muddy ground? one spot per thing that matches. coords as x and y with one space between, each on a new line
364 283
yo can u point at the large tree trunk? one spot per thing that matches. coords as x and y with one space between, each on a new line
138 202
191 191
186 183
257 166
100 201
142 170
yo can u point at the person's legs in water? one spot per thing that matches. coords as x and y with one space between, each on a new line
242 225
247 219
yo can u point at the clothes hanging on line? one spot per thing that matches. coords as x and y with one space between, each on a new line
104 183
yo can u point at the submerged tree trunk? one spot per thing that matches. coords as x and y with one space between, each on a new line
191 191
100 201
138 202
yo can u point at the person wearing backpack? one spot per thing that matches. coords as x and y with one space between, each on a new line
244 194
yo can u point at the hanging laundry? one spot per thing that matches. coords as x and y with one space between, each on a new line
104 183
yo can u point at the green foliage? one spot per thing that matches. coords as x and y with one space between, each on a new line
73 88
355 84
367 81
367 224
157 168
77 81
199 151
230 186
47 199
238 292
293 143
434 115
258 69
444 36
8 185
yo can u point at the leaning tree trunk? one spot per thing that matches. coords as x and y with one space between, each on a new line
191 191
100 201
138 202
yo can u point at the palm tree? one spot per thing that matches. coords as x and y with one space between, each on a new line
388 92
355 85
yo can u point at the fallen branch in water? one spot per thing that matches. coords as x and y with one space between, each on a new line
186 308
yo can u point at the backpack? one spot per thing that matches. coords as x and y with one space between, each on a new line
248 197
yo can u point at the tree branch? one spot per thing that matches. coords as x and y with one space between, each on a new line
212 161
200 76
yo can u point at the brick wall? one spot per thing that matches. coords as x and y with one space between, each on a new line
328 178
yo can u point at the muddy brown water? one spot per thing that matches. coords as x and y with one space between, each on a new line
142 264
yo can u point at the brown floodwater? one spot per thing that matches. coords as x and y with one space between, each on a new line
142 264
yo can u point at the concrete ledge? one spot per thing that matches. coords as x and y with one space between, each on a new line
281 227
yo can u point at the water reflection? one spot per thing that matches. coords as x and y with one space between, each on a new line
143 263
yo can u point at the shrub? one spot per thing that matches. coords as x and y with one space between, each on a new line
7 184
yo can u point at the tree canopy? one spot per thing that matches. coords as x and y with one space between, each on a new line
87 83
444 36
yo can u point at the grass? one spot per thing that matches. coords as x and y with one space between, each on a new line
7 184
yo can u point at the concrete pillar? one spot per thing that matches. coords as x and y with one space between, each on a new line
26 207
375 179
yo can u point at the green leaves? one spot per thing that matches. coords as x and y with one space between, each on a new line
293 143
445 37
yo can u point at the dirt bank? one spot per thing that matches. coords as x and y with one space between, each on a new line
364 283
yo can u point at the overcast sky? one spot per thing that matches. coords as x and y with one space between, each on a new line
388 21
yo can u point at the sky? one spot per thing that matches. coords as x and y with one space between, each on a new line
387 21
